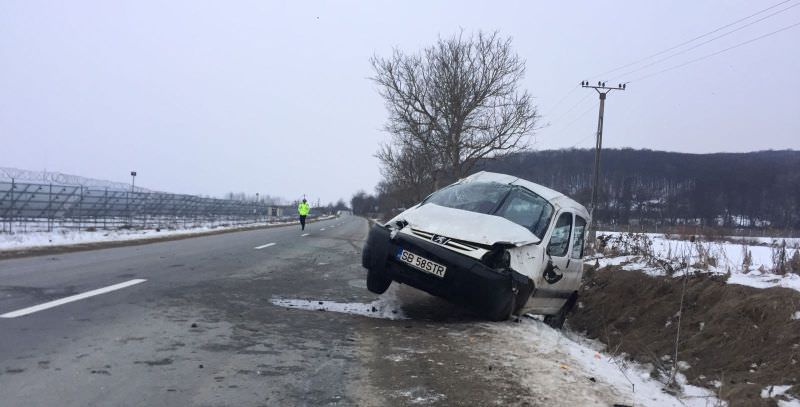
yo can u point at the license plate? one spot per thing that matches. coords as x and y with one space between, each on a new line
421 263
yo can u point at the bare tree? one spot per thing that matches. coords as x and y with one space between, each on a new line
407 170
453 104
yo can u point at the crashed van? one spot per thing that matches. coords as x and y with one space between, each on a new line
495 243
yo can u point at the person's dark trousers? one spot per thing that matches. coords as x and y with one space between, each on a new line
302 222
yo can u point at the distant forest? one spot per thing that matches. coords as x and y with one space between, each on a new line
653 188
758 189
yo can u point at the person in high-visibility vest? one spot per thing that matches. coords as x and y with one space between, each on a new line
302 209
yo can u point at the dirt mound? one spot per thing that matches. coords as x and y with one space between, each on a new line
736 338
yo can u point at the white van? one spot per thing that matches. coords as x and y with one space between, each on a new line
495 243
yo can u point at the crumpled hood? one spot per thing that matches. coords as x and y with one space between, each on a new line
466 225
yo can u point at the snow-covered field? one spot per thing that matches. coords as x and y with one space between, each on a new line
654 254
23 241
747 261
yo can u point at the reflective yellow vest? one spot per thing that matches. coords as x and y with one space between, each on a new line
303 209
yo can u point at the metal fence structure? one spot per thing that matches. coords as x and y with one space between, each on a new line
44 207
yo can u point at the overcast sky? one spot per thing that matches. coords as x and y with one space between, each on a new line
273 97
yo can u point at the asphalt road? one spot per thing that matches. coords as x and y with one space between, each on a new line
202 330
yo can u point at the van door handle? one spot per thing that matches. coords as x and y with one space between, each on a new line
568 260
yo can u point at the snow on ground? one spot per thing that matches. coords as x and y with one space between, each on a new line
19 241
566 365
420 395
729 258
779 391
611 261
762 240
758 280
583 360
22 241
386 306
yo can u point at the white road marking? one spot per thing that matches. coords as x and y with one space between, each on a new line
72 298
264 246
305 234
322 229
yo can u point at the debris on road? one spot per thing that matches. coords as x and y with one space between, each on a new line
386 306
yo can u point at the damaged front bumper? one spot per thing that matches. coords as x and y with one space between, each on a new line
468 282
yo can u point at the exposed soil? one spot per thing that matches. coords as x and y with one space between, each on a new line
742 337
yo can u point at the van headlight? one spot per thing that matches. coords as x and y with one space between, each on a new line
497 259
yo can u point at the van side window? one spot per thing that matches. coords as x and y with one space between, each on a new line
578 238
559 240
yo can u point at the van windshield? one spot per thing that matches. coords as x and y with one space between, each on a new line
527 209
514 203
480 197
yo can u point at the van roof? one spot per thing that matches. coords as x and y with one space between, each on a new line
558 199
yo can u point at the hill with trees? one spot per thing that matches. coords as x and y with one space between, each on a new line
728 189
757 189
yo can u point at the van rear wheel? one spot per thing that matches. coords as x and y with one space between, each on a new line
557 320
377 282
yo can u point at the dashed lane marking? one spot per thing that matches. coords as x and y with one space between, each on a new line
72 298
305 234
264 246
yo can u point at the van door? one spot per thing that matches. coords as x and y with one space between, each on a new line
556 276
575 263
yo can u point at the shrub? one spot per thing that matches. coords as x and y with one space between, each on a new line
794 262
635 244
780 264
747 259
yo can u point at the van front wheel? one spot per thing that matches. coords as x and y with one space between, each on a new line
506 312
377 282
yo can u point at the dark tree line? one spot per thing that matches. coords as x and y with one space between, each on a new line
757 189
340 205
364 203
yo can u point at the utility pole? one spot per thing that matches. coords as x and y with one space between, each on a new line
602 91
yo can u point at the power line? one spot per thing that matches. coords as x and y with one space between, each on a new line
692 40
565 97
641 68
582 140
624 115
717 53
566 112
580 116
